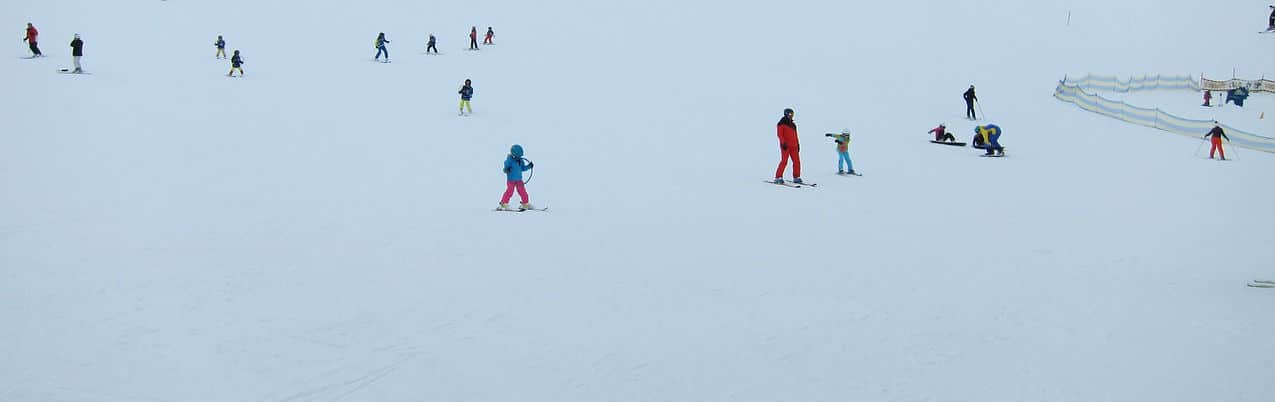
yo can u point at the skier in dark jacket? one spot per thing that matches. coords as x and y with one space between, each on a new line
380 47
236 63
77 51
490 34
221 47
970 98
473 38
431 44
466 93
1270 25
1217 135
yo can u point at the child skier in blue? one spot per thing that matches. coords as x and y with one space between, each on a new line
514 166
843 152
380 47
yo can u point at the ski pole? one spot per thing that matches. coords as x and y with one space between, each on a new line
979 105
1198 147
1235 155
530 172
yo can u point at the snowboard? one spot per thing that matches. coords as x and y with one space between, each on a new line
952 143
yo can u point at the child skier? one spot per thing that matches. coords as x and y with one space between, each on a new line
1217 135
380 47
991 134
487 39
31 41
1208 97
843 151
236 63
473 38
514 166
941 134
431 44
221 47
466 93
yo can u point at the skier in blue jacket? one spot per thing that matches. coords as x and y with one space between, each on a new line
514 166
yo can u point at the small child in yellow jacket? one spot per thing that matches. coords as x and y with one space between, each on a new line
843 152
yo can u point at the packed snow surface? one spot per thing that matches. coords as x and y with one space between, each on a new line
321 229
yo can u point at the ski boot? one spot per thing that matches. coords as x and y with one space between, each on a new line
797 180
839 171
525 206
852 172
503 207
778 180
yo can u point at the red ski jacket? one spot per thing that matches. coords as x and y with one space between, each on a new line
31 34
787 132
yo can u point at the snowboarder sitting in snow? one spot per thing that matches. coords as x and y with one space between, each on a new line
843 151
514 166
991 134
941 134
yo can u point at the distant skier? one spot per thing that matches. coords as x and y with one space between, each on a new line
490 34
77 51
221 47
941 134
970 98
991 134
473 38
380 47
466 93
431 44
843 151
789 147
1270 25
32 34
514 166
236 63
1208 97
1215 136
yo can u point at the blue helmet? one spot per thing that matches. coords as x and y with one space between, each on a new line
516 151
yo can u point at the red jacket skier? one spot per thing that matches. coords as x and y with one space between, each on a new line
788 148
31 40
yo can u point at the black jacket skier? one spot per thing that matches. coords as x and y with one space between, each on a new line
77 47
970 98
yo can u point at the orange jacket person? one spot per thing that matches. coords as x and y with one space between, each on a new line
788 148
1217 135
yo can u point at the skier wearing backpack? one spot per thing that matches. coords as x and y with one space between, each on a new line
32 33
380 47
789 147
514 166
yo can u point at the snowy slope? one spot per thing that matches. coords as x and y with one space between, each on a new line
320 229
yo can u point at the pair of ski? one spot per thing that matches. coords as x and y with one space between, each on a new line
70 71
1258 283
543 209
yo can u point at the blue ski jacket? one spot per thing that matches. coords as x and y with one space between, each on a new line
514 166
466 92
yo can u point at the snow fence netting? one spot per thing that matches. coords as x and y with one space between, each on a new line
1074 91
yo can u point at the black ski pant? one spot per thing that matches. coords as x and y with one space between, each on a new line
473 43
969 110
35 49
431 46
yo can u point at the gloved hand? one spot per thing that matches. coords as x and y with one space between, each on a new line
531 165
506 170
783 147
